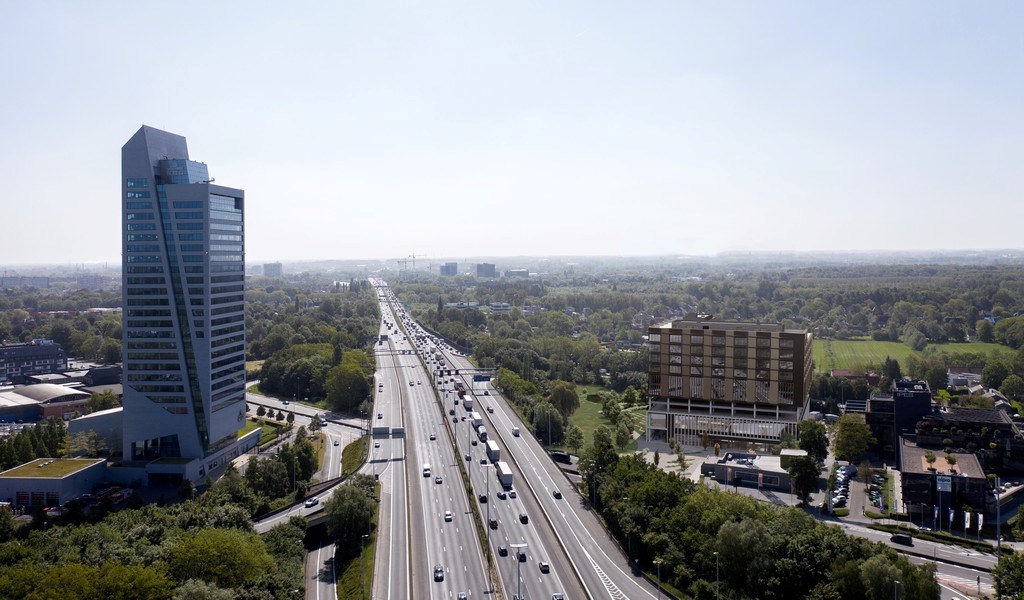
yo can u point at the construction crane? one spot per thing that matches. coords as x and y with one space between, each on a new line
413 257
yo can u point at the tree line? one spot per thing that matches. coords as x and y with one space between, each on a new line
764 551
202 548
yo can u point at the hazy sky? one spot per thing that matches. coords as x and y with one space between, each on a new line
379 129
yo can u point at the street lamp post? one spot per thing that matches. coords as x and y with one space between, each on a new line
629 540
488 478
716 576
999 531
895 589
363 571
519 565
657 562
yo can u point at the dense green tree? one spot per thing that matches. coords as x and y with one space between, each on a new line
611 409
878 576
349 511
1009 575
347 385
623 435
225 557
574 438
1013 387
564 397
548 423
197 589
814 439
268 476
994 374
1010 331
102 401
985 331
804 472
851 437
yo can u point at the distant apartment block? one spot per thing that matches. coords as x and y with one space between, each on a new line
735 382
37 356
273 270
500 307
517 273
90 282
486 270
450 268
19 281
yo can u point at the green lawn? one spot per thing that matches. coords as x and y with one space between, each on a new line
270 429
859 354
250 425
354 455
588 417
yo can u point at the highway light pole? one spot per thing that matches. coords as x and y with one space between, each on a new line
488 478
895 589
362 572
629 540
519 565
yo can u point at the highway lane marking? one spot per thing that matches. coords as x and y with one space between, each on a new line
614 593
964 583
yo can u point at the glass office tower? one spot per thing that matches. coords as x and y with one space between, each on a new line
183 271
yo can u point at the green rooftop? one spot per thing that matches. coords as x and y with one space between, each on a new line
56 467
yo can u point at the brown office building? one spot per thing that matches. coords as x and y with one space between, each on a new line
737 382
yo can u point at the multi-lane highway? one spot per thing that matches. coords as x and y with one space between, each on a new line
567 534
387 461
520 524
446 558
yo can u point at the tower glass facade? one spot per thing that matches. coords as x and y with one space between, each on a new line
183 282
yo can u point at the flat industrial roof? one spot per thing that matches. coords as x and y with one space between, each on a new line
55 468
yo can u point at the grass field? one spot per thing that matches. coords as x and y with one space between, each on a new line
270 431
319 445
859 354
250 425
588 417
354 455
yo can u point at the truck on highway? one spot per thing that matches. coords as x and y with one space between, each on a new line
481 432
476 419
504 474
468 403
493 452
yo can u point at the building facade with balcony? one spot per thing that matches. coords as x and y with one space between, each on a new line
733 382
